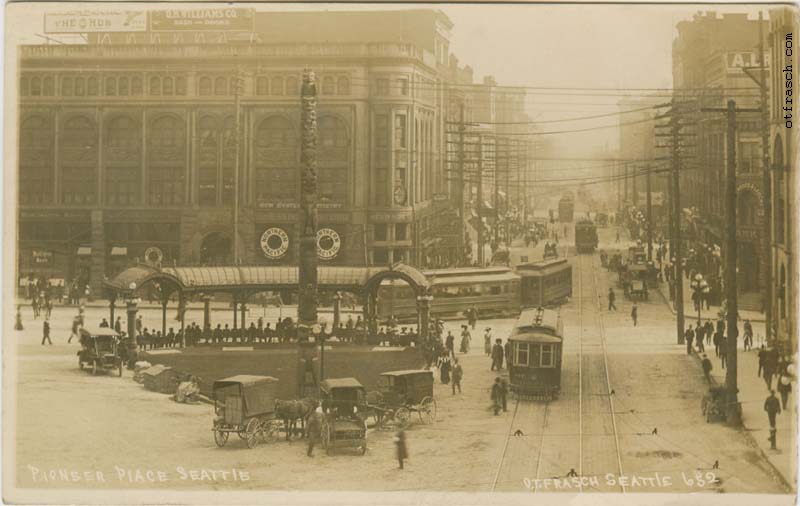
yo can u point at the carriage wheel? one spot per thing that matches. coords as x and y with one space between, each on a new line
253 429
94 368
220 438
402 416
427 411
242 435
270 431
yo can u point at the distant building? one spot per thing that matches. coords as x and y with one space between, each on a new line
708 56
784 27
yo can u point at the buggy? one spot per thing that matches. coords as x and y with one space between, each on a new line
100 350
344 405
244 404
403 393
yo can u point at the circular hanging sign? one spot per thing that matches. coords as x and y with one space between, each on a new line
153 255
274 242
328 243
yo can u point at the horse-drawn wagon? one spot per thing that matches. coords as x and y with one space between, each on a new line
244 405
344 405
403 393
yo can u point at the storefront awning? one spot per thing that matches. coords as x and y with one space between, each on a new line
85 251
119 251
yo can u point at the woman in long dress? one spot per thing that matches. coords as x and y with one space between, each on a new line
444 367
466 337
487 342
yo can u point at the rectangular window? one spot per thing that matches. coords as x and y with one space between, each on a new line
227 186
401 231
402 85
166 186
380 231
122 186
380 256
381 130
400 136
333 184
749 157
77 188
521 352
381 190
276 184
207 191
383 87
548 356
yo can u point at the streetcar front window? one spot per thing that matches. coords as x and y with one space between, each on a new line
548 356
521 354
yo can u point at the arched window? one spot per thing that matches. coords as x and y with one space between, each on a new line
165 174
123 86
180 86
333 159
35 174
276 86
36 86
221 86
111 86
91 87
261 86
155 86
291 86
168 86
208 131
136 86
343 86
80 87
23 86
66 86
276 160
328 86
205 86
49 87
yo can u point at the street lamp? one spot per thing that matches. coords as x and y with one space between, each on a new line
701 289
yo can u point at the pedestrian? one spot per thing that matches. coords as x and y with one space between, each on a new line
400 445
504 393
487 342
46 332
762 359
507 353
118 324
635 313
612 297
700 334
773 407
784 389
496 396
450 340
717 341
707 367
748 335
314 429
466 337
723 351
75 324
444 367
497 355
458 373
689 336
709 331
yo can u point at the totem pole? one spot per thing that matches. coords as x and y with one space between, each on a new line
307 275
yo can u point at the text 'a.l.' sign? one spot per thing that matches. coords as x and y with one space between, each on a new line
235 20
87 21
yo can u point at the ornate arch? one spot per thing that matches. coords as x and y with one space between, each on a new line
407 273
750 187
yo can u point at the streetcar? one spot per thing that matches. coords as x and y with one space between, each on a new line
585 236
494 291
545 283
536 349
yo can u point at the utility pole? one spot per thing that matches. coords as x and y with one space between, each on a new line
460 200
238 83
481 259
649 216
767 190
496 193
509 147
676 218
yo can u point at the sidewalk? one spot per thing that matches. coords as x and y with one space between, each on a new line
713 312
752 394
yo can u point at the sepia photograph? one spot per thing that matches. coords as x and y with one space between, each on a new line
391 253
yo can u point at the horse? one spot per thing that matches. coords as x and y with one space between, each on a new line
292 410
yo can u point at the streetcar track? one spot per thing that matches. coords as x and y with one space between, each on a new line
541 443
580 370
505 446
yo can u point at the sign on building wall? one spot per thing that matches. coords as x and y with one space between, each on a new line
41 257
111 20
737 61
239 20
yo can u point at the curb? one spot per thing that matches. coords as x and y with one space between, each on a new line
673 311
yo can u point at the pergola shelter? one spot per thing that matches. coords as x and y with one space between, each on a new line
242 282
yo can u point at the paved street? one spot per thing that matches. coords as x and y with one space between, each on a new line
646 436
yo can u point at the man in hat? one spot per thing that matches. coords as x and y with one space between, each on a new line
706 367
450 341
497 355
487 342
497 396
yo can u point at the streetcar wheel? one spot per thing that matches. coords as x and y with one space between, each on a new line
427 412
253 429
402 416
220 438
